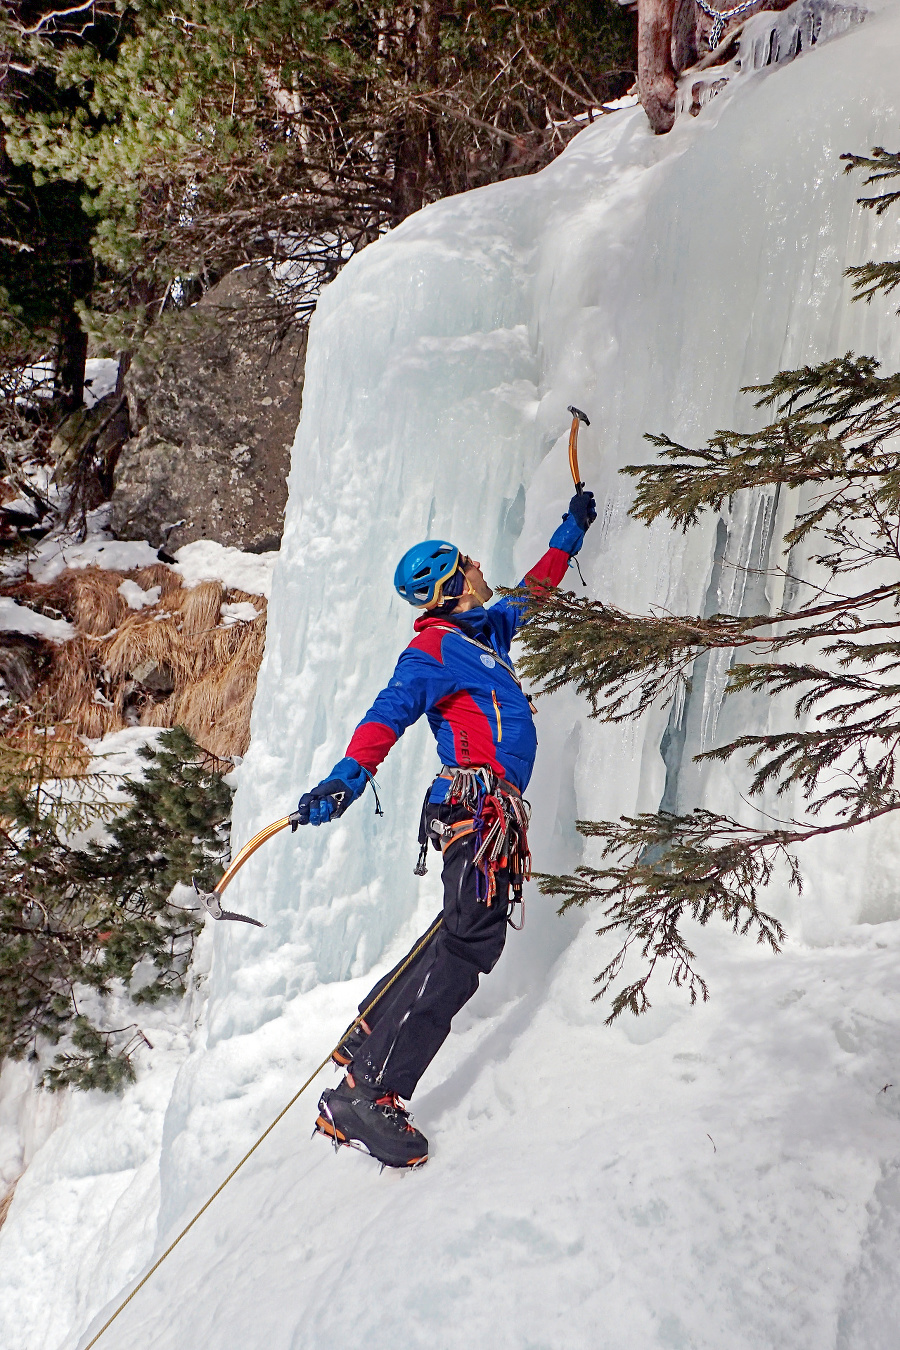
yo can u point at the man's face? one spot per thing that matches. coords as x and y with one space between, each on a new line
472 569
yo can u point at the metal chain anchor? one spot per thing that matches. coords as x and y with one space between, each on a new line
722 16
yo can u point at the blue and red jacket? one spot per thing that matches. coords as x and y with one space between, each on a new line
457 671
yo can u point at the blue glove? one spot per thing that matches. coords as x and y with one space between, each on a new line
583 509
334 794
581 514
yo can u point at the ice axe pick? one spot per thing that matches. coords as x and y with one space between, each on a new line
577 417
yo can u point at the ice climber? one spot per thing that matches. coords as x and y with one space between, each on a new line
458 672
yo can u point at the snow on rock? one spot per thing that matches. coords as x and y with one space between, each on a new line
58 552
723 1176
100 375
20 619
241 611
205 560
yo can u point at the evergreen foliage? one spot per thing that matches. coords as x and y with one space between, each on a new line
836 435
206 135
77 917
47 267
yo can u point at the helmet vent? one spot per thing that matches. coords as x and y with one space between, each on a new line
423 570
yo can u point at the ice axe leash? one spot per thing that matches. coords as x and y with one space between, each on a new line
420 946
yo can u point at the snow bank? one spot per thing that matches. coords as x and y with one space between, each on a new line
20 619
203 560
719 1177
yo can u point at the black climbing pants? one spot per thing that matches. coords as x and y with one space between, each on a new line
410 1024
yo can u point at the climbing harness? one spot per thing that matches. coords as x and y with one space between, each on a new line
219 1189
499 822
721 17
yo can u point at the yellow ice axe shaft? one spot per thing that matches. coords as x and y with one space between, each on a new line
250 848
577 417
212 899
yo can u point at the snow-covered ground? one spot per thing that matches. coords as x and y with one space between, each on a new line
203 560
723 1176
19 619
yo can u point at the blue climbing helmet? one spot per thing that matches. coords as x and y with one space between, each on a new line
424 570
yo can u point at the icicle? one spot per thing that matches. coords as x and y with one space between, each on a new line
765 39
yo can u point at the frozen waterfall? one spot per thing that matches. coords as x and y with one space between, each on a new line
725 1176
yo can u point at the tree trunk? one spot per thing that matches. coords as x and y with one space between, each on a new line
672 36
417 129
656 74
409 170
72 341
70 362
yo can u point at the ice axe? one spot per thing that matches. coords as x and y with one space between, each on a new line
212 900
577 417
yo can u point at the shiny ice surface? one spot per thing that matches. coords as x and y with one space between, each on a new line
722 1176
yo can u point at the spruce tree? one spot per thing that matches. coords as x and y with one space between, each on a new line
47 262
836 431
207 135
82 917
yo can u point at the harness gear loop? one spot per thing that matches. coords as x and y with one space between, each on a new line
499 822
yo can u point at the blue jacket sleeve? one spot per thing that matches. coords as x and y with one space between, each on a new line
418 682
507 615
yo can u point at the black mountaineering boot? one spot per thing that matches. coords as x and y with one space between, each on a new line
349 1043
368 1118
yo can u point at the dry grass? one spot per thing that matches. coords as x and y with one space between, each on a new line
6 1202
174 662
39 751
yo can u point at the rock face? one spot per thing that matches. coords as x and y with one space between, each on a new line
22 658
87 445
213 421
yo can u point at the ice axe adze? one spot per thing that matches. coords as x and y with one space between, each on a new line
577 416
213 899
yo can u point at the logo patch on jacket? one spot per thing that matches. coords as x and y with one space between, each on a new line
488 661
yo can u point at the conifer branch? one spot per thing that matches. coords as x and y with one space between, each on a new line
668 868
623 663
89 916
835 427
881 165
836 433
